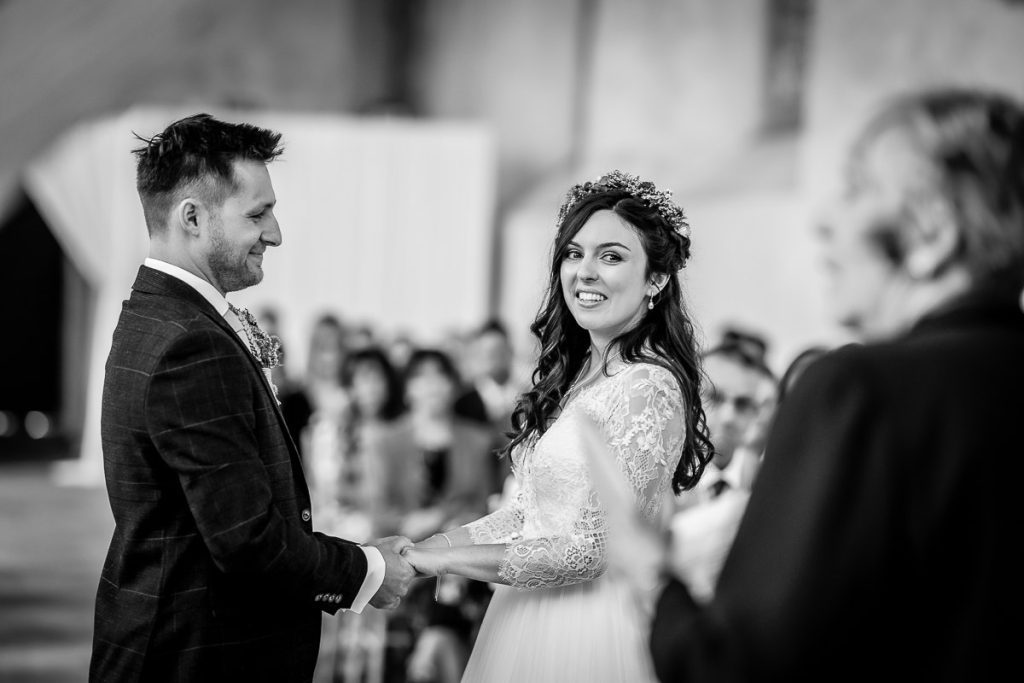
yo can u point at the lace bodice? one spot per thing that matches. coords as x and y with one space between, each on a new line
554 528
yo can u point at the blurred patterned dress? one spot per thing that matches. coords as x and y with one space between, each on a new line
559 618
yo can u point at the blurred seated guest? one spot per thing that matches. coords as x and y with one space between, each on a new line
399 348
375 389
436 462
436 475
360 336
746 458
319 390
701 537
752 344
269 321
354 649
492 389
444 627
351 438
738 404
702 534
768 401
748 455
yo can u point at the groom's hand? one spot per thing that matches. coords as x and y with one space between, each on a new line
398 573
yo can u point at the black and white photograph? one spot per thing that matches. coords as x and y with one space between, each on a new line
529 341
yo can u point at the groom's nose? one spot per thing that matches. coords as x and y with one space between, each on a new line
272 233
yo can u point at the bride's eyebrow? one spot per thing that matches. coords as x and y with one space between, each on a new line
603 245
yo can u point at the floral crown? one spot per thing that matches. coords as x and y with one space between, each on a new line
643 191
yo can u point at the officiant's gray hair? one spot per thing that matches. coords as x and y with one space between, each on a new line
969 145
196 155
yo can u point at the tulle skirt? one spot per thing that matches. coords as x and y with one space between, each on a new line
595 631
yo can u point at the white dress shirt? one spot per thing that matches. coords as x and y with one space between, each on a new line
731 474
374 560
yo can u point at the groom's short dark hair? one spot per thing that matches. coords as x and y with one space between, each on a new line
196 153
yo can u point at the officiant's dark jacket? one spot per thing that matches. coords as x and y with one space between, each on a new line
881 539
214 572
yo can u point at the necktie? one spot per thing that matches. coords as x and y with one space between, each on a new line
236 324
718 487
265 348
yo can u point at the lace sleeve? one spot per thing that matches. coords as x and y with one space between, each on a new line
501 526
647 436
643 423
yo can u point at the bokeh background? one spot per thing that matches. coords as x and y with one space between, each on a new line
428 144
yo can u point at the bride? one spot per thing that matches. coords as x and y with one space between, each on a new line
618 351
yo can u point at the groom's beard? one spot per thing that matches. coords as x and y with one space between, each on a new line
232 269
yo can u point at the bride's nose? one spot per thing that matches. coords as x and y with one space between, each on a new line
586 271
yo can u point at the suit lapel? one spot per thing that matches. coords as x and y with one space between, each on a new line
157 282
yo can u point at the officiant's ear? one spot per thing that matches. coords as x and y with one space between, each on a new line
931 239
190 215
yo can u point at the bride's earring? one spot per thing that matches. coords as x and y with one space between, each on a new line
650 304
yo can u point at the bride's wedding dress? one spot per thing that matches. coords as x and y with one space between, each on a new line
560 618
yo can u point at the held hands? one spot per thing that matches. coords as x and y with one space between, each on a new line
427 557
398 573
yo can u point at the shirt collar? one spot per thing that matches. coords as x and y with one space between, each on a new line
731 474
208 291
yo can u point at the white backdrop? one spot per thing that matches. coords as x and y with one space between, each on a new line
384 221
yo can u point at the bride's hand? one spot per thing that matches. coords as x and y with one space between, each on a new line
426 562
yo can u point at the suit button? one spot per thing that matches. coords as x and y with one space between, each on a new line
306 516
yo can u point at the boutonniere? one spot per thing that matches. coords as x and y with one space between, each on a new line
265 347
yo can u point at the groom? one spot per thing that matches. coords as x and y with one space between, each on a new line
214 572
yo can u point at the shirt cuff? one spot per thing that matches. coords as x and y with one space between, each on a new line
373 581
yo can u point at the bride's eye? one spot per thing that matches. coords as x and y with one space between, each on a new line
612 257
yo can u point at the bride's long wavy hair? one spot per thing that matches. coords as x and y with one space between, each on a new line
664 336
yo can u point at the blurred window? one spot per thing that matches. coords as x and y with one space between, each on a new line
789 30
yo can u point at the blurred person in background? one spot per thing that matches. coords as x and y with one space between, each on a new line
354 647
492 389
619 349
373 403
437 461
214 570
437 473
268 319
318 394
361 336
399 348
739 402
879 536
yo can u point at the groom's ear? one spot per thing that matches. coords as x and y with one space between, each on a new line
190 215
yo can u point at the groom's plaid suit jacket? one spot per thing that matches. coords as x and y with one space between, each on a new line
213 572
